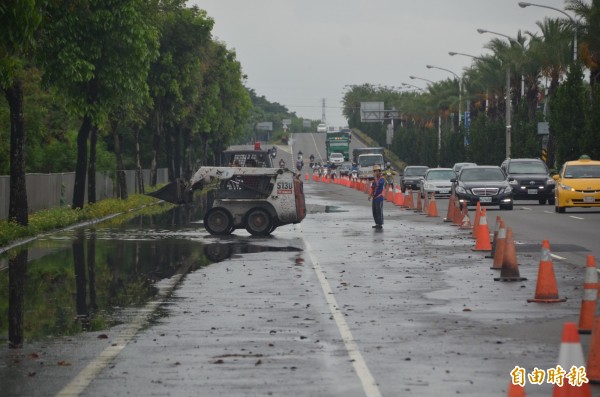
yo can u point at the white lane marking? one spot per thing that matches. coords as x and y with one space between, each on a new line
312 135
360 366
575 217
549 212
526 208
557 257
87 375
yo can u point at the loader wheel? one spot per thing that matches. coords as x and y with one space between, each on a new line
218 221
259 222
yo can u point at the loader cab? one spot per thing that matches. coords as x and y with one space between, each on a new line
253 156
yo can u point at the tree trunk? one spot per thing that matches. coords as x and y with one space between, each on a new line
17 270
169 151
92 166
81 166
155 148
139 176
17 207
177 153
187 144
121 181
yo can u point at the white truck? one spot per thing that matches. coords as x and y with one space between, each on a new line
257 199
366 163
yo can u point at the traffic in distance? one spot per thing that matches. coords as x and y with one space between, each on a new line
577 184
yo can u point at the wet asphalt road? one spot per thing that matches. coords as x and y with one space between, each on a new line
333 308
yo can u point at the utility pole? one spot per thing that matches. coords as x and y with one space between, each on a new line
323 118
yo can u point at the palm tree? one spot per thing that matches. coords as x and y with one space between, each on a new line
589 35
552 49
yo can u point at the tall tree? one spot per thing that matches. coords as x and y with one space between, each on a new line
98 52
174 75
19 20
589 35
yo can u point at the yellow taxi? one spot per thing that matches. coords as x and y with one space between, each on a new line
578 184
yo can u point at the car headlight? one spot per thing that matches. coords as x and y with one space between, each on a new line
460 189
565 187
550 181
514 182
428 186
507 189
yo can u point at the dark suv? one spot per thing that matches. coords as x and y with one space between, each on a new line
529 179
411 177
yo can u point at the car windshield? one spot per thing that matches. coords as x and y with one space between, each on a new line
441 175
582 171
482 174
458 166
336 156
530 167
415 171
368 161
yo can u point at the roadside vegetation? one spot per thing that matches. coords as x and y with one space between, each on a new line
57 218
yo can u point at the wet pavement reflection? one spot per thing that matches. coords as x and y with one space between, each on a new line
90 278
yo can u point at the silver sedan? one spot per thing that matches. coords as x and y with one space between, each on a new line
437 180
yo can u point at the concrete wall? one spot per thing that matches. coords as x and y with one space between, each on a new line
54 190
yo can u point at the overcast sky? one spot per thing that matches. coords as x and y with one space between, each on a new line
297 52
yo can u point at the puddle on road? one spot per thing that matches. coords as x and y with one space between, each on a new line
95 277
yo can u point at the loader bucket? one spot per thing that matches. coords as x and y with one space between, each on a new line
174 192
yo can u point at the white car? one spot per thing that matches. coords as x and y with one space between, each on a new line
437 180
322 128
336 158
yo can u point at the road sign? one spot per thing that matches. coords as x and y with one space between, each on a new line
543 128
286 121
371 112
265 126
306 123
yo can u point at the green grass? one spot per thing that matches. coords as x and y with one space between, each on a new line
56 218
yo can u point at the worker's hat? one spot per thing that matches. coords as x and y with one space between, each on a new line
376 167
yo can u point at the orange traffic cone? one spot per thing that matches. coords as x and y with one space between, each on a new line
496 227
510 268
390 195
500 246
409 200
458 215
466 221
590 294
569 356
306 176
432 212
516 390
483 235
419 203
593 359
399 198
450 211
546 290
476 224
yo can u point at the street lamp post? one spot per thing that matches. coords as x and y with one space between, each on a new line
413 86
524 4
420 78
507 94
439 148
453 53
459 89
